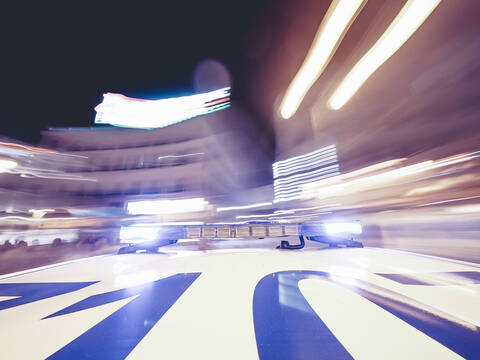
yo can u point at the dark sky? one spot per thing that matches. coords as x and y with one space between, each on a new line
59 57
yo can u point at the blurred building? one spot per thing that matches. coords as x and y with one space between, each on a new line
210 156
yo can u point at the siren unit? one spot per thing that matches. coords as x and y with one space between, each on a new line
333 234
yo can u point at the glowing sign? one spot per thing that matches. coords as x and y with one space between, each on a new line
119 110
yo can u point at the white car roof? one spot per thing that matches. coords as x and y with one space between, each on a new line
244 304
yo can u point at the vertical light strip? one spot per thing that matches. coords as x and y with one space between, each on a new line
291 174
335 24
408 20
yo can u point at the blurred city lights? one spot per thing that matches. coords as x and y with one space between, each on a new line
6 165
119 110
408 20
153 207
335 24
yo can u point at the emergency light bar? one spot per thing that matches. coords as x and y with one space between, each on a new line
313 231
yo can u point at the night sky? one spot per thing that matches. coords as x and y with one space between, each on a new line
58 58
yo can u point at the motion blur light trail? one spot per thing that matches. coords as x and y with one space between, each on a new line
336 186
422 184
154 207
26 147
250 206
333 28
410 18
119 110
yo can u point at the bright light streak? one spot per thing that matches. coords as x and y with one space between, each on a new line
299 216
449 200
303 157
343 227
338 19
306 166
280 212
374 167
408 20
6 165
178 156
251 206
40 210
253 216
466 209
119 110
290 198
26 147
38 213
304 176
298 186
304 161
153 207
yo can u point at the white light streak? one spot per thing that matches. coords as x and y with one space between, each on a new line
119 110
40 210
304 156
408 20
178 156
251 206
306 166
252 216
153 207
465 209
308 175
6 165
304 161
338 18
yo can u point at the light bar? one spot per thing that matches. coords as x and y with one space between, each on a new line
408 20
119 110
335 24
153 207
161 234
251 206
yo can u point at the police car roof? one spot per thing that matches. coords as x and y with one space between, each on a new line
244 303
